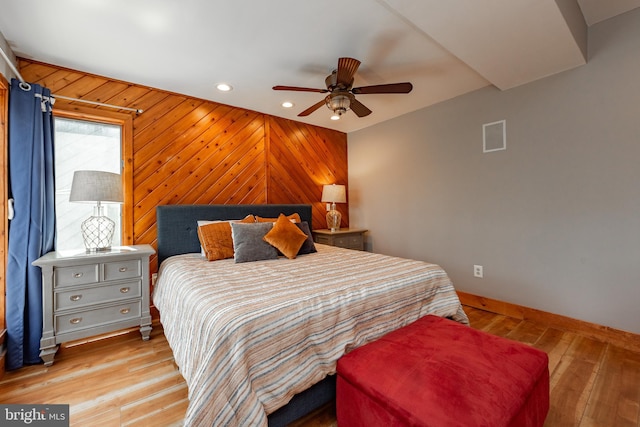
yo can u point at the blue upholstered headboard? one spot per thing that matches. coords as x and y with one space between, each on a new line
177 224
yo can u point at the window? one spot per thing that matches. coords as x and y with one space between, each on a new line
83 145
91 140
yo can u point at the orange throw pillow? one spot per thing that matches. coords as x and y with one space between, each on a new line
286 237
216 239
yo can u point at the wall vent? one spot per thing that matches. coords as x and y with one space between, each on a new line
494 136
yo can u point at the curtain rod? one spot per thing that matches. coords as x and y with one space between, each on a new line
101 104
10 64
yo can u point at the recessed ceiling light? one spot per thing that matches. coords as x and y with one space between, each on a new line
335 117
223 87
287 104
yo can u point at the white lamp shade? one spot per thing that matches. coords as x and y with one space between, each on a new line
334 193
96 186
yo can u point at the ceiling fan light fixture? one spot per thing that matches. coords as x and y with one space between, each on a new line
287 104
341 97
339 104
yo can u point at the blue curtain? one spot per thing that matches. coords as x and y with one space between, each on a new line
32 229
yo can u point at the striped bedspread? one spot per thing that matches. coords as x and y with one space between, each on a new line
249 336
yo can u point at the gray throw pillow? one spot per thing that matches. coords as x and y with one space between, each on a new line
308 247
248 244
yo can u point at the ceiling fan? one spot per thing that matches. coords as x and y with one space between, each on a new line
341 93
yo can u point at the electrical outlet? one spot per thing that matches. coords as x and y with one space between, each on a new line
478 271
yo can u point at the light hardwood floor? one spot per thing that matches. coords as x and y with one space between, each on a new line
122 380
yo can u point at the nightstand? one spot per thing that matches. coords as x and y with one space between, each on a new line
348 238
86 294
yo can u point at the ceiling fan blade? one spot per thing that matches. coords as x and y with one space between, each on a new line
347 67
311 109
386 88
300 89
359 108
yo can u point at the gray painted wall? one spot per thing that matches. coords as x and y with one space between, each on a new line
554 219
4 68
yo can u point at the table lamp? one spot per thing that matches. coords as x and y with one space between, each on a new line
97 187
334 194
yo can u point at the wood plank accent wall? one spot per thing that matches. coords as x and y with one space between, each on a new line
192 151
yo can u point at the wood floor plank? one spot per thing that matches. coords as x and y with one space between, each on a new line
555 343
153 404
110 418
573 380
587 349
124 381
322 417
502 326
527 332
479 319
616 394
171 415
154 380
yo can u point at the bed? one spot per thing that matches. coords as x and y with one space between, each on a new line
257 342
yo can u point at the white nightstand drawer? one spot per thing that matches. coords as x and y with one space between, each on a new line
122 269
76 275
86 296
97 317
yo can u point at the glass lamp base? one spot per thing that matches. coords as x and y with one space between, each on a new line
333 220
97 232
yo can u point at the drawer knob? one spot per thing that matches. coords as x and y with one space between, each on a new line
77 275
75 297
124 310
124 290
122 269
75 320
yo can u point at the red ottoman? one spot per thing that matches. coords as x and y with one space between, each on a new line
436 372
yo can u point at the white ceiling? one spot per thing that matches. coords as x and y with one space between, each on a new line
444 47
